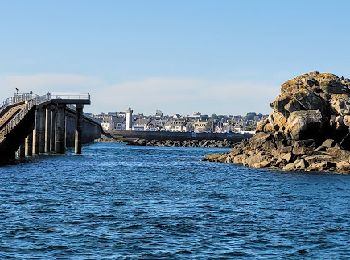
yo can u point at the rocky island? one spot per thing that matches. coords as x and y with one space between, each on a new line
308 129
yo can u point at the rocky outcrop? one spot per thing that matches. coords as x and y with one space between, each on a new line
308 128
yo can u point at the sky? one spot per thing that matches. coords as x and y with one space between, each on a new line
179 56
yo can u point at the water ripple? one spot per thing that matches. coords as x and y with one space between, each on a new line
122 202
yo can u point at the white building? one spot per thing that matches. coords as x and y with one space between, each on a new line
176 125
128 117
107 126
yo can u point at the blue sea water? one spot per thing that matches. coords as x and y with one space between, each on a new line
125 202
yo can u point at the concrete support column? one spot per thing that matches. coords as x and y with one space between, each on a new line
22 151
42 131
47 147
11 157
29 145
79 119
60 129
38 130
53 129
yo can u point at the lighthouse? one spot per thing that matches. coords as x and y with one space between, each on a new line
128 118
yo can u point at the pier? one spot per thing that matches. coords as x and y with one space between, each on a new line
31 125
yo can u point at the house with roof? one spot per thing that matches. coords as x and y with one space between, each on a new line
176 125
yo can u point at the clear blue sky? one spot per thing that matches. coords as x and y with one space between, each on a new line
179 56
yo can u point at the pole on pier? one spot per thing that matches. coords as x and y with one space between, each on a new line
79 119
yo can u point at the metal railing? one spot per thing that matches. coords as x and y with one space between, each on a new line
29 104
32 100
22 97
81 96
17 98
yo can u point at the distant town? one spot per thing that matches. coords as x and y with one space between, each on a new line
196 122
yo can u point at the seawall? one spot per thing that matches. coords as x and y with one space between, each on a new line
178 136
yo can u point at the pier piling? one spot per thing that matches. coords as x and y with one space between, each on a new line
79 115
48 130
60 130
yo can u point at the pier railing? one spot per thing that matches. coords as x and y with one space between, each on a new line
17 98
31 100
80 96
23 97
29 104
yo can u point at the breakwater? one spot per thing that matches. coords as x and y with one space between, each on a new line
184 143
178 136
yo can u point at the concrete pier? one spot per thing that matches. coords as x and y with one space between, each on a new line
79 118
22 150
42 131
60 129
47 147
11 157
45 124
38 130
29 145
53 129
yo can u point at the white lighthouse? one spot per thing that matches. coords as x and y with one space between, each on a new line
128 118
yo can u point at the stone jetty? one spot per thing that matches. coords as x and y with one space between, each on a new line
308 129
182 143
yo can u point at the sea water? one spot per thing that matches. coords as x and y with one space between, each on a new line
126 202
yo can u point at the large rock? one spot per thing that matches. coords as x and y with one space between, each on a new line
308 129
278 121
304 124
306 100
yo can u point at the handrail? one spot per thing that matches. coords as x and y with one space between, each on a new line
19 116
82 96
30 101
17 98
